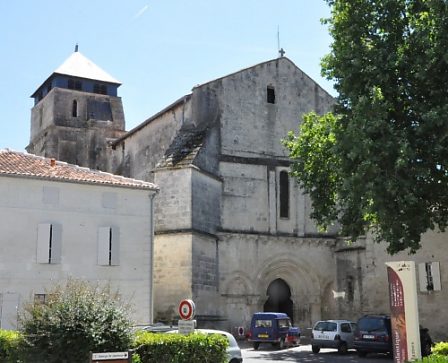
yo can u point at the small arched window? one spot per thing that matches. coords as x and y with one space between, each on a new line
75 108
284 194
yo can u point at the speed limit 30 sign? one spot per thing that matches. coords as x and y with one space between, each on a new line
187 309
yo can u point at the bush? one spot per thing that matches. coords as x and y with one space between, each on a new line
439 354
177 348
76 319
434 359
9 346
440 348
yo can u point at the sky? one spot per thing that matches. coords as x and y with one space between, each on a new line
158 49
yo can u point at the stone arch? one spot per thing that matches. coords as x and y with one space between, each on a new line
237 282
303 280
279 298
238 296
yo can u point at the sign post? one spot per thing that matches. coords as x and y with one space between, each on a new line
404 311
187 310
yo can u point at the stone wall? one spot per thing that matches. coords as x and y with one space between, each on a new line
365 263
79 210
250 262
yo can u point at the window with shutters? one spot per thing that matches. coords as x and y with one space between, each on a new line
49 240
429 276
108 246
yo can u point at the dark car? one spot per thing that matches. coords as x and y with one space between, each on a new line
374 335
274 328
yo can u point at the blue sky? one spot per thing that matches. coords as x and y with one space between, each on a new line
158 49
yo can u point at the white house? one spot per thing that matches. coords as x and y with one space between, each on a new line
59 220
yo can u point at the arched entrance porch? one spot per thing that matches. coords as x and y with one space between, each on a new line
279 298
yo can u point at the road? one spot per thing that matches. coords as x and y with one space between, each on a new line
304 354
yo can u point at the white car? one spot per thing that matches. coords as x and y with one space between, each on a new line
233 350
336 334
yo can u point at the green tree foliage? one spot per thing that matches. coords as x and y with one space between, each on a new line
380 164
76 319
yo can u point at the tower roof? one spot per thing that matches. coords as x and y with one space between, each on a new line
77 65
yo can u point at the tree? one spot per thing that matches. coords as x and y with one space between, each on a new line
379 162
77 318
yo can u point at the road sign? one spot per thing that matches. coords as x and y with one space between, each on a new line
186 326
187 309
110 357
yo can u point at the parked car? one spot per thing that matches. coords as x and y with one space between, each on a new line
374 335
336 334
233 350
274 328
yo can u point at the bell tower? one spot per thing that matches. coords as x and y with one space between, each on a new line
76 114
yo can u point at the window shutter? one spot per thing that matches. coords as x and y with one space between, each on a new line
115 253
43 243
436 276
422 277
56 243
103 245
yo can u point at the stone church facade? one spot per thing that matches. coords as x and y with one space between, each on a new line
232 229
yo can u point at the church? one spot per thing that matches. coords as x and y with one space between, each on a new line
232 229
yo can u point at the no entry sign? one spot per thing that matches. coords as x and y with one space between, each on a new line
186 309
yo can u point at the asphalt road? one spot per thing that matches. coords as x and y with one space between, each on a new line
304 354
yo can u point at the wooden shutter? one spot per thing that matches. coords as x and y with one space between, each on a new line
43 243
115 252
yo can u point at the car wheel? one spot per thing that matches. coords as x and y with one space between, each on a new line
342 349
362 353
315 349
234 361
281 345
256 345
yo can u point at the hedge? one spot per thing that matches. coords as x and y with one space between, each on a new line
177 348
440 348
439 354
9 346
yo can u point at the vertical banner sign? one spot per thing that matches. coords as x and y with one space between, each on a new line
404 311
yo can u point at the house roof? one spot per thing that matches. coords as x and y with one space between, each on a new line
18 164
77 65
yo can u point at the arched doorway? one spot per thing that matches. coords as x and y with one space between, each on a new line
279 298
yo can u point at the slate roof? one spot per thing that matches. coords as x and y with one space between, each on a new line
18 164
183 149
77 65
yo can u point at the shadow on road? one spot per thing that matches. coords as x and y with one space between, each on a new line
293 355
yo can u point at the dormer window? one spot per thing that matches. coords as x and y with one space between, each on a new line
74 84
270 94
100 89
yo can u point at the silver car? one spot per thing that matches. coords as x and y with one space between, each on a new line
337 334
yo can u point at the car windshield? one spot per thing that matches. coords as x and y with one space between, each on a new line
371 324
284 323
326 326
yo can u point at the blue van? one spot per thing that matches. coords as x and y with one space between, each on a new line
274 328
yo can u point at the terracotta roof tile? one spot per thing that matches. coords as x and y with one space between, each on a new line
13 163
